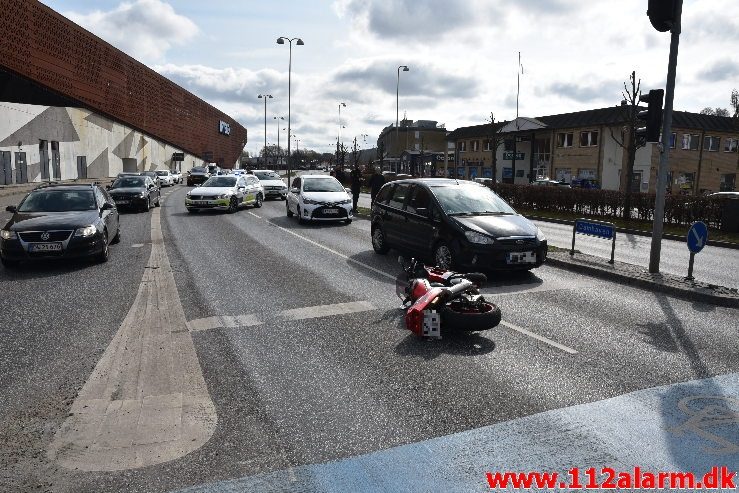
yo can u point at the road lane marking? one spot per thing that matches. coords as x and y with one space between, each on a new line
327 310
260 217
137 245
543 339
348 259
293 314
146 401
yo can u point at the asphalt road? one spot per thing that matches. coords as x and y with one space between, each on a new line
302 347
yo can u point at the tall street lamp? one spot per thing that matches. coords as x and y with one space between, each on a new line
279 151
338 137
265 97
281 41
397 106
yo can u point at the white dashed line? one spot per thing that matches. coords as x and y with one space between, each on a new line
543 339
259 217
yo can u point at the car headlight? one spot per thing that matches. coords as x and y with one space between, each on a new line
478 238
86 231
347 201
8 235
310 201
539 235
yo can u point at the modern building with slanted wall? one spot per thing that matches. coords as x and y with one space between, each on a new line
704 153
73 106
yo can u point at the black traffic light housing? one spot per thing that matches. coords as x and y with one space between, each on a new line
662 14
652 116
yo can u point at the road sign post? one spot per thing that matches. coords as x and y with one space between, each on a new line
696 239
595 228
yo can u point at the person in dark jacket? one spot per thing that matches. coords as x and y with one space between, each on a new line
376 182
356 185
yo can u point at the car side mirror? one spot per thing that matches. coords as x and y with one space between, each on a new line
11 208
348 190
108 187
106 206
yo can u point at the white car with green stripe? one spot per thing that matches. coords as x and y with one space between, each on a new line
226 192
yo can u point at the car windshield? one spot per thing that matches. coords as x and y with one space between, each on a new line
198 169
327 184
220 181
129 182
470 200
162 173
267 175
59 201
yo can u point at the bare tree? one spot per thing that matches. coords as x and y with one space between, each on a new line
628 140
735 102
381 153
715 111
496 140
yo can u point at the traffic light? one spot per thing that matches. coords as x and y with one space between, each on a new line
662 14
652 116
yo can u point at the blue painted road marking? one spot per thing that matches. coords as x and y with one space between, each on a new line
687 427
697 237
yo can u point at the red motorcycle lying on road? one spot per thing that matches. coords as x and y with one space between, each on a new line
439 300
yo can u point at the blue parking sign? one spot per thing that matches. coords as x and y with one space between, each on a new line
697 236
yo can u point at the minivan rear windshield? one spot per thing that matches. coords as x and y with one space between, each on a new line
470 200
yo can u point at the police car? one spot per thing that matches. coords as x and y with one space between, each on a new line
227 192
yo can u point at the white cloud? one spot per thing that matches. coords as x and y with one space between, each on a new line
144 29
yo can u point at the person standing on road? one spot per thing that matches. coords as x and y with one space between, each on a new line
356 184
376 182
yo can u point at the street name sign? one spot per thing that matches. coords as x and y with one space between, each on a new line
598 229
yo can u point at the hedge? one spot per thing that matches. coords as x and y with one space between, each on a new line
679 209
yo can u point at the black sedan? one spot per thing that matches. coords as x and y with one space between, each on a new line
135 192
60 221
455 224
197 176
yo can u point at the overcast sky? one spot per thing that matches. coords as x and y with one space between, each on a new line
462 54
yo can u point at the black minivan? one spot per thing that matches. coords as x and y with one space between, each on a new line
455 224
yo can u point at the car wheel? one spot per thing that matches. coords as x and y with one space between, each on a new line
260 200
379 243
287 208
157 203
147 206
283 198
300 217
443 256
233 205
117 238
9 264
104 255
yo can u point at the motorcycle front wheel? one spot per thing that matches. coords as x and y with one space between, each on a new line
456 318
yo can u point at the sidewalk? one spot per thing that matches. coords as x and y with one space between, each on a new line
635 275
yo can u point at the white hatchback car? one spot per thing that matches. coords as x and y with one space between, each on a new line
272 183
165 177
319 198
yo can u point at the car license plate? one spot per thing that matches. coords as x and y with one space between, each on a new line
330 211
45 247
121 202
522 258
200 202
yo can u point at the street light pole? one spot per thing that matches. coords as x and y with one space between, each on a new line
277 119
397 106
265 97
338 137
299 42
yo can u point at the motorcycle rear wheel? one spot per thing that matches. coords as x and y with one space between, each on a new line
470 321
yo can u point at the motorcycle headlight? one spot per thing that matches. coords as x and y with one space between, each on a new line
539 235
8 235
478 238
86 232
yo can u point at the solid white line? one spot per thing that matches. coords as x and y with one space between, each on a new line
543 339
348 259
260 217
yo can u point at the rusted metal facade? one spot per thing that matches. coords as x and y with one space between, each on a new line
43 46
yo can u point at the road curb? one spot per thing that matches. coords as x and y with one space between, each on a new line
638 232
633 275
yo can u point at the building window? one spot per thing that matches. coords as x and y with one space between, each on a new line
711 143
508 145
475 145
728 182
690 142
564 139
563 175
731 145
589 138
462 146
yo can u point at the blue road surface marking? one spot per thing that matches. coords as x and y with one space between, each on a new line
594 229
686 427
697 237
